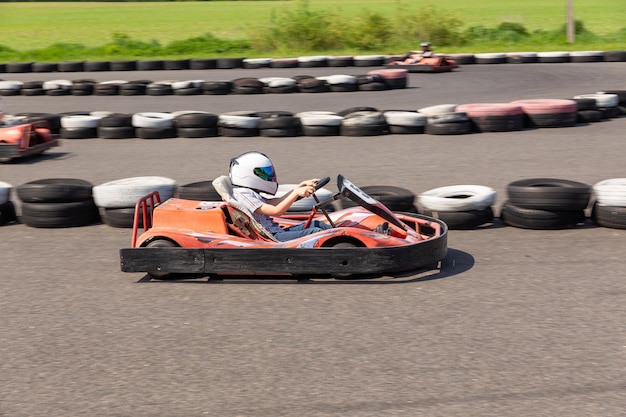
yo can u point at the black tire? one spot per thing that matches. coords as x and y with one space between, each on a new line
458 128
162 243
95 66
176 64
279 122
229 63
320 130
462 220
120 217
45 67
159 90
116 120
349 110
78 66
549 194
609 216
116 132
60 215
33 92
191 91
508 123
552 119
527 218
199 191
124 65
379 86
78 132
344 61
589 116
343 87
54 190
286 132
615 56
133 89
202 63
238 131
150 65
18 67
395 198
196 120
197 132
405 130
364 130
155 133
7 213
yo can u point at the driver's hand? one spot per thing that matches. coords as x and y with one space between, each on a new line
309 183
304 189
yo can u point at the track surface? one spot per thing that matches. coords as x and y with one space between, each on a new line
518 322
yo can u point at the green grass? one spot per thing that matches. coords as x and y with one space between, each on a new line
30 25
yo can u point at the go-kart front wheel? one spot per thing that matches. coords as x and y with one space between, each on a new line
162 243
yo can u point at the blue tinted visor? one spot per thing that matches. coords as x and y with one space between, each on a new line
266 173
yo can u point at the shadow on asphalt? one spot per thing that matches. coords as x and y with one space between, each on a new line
456 262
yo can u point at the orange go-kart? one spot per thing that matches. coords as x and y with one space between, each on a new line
220 239
429 64
27 139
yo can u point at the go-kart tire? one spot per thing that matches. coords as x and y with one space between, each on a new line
126 191
589 116
549 194
613 217
527 218
461 220
162 243
7 213
60 215
55 190
457 198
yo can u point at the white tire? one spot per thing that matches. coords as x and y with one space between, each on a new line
278 81
611 192
602 99
153 120
79 121
5 192
57 85
457 198
319 118
124 193
338 79
438 109
363 118
242 122
404 118
11 85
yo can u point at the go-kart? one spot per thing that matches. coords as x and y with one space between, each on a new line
429 64
220 239
27 139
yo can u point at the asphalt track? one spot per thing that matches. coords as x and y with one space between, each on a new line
517 323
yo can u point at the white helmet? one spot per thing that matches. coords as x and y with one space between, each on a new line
253 170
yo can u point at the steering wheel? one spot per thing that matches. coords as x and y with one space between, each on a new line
319 184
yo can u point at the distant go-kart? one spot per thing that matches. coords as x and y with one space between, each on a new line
220 239
26 139
430 64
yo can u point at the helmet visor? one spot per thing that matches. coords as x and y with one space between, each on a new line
265 173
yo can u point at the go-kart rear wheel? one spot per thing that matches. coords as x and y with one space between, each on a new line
344 245
162 243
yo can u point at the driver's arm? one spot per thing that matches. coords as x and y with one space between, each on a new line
278 206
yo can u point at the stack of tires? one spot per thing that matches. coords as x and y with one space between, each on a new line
154 125
461 207
545 203
7 209
443 119
606 103
117 199
57 203
494 117
195 124
609 209
394 198
549 112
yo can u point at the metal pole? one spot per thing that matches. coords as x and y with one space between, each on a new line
571 31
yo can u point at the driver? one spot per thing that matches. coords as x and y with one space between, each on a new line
252 173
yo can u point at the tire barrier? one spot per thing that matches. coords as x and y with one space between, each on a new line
545 203
441 119
374 80
534 203
308 61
